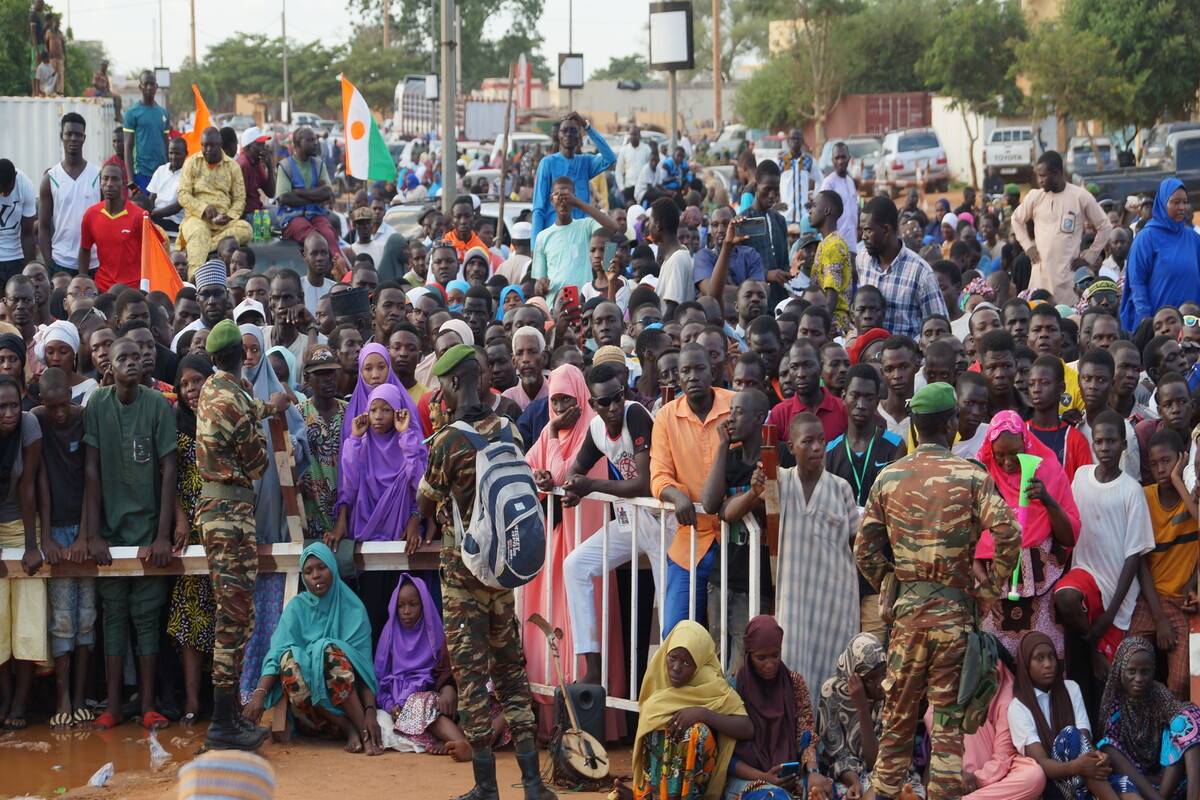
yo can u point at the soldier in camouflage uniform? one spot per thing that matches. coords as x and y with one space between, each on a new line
230 454
928 509
482 634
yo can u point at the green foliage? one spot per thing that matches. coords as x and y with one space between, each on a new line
83 57
773 97
744 29
416 25
1072 73
961 61
1152 43
883 42
624 68
15 64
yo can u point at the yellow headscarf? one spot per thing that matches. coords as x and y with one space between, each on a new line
659 700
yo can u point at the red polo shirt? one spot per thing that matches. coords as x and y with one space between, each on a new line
253 177
830 411
118 241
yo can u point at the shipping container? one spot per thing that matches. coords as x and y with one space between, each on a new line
873 114
31 124
413 114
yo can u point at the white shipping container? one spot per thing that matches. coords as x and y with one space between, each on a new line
30 126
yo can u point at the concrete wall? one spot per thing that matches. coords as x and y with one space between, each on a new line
952 131
609 106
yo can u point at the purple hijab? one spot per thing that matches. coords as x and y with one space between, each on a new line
406 657
359 402
379 473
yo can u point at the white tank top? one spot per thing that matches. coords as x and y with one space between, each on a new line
72 196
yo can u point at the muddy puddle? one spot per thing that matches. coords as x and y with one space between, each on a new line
39 762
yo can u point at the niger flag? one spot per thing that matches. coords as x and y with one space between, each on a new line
203 120
158 273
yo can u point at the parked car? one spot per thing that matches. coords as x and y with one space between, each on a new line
1082 158
1156 141
864 155
727 144
910 157
1181 158
1009 152
305 118
769 147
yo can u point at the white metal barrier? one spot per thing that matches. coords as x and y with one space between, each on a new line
387 556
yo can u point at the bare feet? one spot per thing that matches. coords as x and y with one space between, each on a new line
353 743
623 791
371 748
460 750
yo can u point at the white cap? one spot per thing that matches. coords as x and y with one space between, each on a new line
249 305
520 230
254 134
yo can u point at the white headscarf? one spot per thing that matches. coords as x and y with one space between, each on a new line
461 328
57 331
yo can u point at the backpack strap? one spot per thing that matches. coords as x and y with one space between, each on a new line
473 436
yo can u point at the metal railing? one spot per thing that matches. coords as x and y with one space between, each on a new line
390 556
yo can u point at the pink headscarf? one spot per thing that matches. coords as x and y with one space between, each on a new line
1049 472
556 453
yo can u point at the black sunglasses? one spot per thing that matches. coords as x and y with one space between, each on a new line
605 402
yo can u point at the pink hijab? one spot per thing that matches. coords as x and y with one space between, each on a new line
1050 472
556 453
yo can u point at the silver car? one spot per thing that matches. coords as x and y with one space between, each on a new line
912 157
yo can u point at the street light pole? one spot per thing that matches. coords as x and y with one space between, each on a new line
449 104
716 65
287 95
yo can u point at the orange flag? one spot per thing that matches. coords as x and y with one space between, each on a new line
203 120
158 273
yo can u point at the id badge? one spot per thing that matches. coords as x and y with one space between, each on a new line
1068 223
623 518
140 451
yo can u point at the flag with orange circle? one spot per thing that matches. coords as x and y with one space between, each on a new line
367 156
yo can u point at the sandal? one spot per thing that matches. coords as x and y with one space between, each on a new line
83 716
105 721
15 724
63 719
152 721
189 719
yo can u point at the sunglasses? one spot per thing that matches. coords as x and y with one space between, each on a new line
1191 320
605 402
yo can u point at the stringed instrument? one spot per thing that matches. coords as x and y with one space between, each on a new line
578 751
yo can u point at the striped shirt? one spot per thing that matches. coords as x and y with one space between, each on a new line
909 288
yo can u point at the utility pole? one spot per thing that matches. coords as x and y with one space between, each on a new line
287 95
571 49
162 59
449 47
387 24
672 110
457 54
192 3
716 66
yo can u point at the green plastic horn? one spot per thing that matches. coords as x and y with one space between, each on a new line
1029 465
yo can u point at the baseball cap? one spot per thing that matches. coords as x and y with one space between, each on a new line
321 358
1084 275
520 231
249 305
254 134
362 212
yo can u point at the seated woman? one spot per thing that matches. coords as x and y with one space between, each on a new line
413 665
689 722
1149 736
1048 723
1050 528
320 660
848 720
992 768
778 704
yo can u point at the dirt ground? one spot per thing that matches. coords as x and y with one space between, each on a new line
38 763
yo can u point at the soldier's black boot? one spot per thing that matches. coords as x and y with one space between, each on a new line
483 764
531 771
224 733
246 724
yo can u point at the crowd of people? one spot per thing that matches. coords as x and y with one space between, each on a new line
982 419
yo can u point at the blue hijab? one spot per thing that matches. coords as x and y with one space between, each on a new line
1163 268
309 624
505 292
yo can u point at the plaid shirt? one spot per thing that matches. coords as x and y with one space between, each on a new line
909 288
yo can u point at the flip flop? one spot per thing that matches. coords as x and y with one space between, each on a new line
105 721
63 719
15 724
82 716
189 719
152 721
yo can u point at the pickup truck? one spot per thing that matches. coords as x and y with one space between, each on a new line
1181 159
1009 153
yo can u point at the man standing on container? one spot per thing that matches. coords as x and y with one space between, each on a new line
145 141
927 511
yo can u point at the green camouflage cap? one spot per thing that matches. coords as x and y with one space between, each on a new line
223 334
932 398
452 358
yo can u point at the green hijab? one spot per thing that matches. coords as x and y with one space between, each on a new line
309 624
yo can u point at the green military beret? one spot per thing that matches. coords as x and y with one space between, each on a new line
1012 188
223 334
452 358
932 398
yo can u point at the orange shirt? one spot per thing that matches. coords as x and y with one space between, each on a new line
682 452
1173 560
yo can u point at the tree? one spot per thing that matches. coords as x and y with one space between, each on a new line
774 96
960 63
744 29
623 68
1072 73
482 57
888 63
817 47
1153 44
372 68
82 57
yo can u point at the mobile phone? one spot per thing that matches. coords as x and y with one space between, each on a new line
610 252
754 226
570 295
789 768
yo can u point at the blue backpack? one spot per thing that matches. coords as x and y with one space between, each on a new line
505 544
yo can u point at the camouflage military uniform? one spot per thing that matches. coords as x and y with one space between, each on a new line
928 509
230 454
482 634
